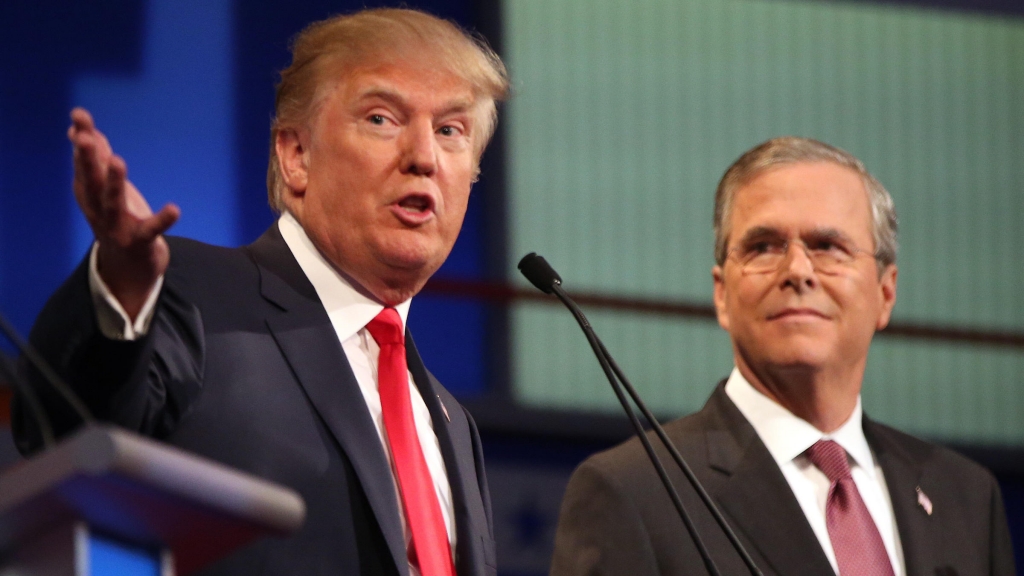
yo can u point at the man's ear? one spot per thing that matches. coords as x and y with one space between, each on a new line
887 285
718 276
293 160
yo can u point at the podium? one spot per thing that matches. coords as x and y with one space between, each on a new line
106 501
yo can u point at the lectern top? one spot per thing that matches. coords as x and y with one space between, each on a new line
143 491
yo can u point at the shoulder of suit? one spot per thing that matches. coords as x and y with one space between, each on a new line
927 455
689 434
198 247
629 456
188 251
215 275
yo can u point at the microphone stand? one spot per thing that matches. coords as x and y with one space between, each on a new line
25 388
8 371
598 348
540 273
687 471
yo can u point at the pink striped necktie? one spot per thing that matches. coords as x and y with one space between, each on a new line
858 545
430 550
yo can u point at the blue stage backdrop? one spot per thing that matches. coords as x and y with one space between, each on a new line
184 90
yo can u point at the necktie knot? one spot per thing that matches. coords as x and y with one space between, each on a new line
830 458
386 327
856 541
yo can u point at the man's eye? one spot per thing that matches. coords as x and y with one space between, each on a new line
762 247
828 246
448 131
377 119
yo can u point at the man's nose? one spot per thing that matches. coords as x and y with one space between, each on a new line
419 149
798 269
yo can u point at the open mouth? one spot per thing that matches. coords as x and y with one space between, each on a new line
416 203
414 209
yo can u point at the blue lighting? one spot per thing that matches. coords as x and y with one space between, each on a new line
173 122
109 557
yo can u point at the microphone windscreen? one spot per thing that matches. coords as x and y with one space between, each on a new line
539 272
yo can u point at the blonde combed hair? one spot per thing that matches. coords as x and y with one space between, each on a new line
330 47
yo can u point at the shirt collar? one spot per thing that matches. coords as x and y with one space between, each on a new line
348 307
787 436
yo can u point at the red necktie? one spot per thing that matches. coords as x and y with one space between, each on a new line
855 538
430 549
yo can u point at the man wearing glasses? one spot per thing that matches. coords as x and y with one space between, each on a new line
805 273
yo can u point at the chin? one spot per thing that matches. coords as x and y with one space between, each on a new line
798 358
797 362
797 352
411 266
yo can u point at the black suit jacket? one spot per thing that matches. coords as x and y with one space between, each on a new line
617 519
242 365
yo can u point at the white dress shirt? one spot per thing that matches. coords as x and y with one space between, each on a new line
349 310
787 437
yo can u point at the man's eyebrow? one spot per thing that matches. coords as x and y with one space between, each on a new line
760 232
821 233
456 106
385 94
827 233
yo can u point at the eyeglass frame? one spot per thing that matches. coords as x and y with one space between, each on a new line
850 252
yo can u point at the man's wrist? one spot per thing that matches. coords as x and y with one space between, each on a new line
113 320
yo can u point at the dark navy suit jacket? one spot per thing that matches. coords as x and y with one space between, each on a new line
616 517
242 365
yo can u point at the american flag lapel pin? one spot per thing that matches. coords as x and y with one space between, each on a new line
449 418
924 501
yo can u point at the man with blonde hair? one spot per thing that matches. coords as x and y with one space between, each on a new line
289 358
804 275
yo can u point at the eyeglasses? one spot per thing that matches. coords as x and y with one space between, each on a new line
827 255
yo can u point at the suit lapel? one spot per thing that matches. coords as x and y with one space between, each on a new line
453 436
310 345
756 497
919 534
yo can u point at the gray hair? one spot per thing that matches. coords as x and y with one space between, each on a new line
790 150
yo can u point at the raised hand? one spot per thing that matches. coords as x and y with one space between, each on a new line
132 251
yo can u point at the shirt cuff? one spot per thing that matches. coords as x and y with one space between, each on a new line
113 321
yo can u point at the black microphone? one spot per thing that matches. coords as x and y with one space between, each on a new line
543 276
539 273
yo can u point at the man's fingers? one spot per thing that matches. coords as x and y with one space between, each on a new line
81 124
117 172
90 176
111 196
114 208
90 144
118 169
160 222
81 120
91 163
86 158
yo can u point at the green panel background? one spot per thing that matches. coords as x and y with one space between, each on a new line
625 114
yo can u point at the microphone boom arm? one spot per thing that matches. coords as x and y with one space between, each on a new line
543 276
602 358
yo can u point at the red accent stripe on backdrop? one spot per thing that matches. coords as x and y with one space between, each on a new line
506 294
